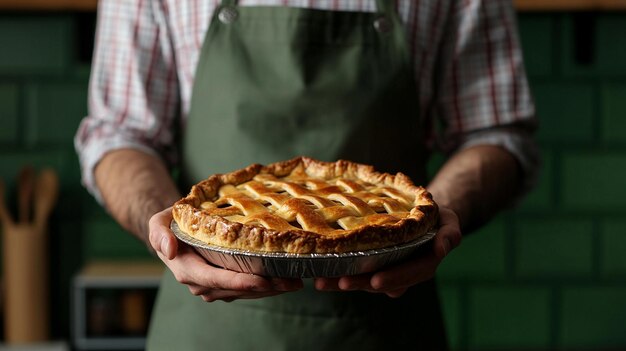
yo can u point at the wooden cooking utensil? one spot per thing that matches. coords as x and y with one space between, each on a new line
26 181
47 190
5 217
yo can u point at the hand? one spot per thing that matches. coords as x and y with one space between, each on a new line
396 280
204 280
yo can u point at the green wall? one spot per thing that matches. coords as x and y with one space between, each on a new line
550 274
547 275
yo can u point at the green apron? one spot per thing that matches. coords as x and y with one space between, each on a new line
277 82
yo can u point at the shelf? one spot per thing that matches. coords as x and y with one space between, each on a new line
112 302
120 274
521 5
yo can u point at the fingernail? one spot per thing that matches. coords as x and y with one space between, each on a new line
165 247
447 246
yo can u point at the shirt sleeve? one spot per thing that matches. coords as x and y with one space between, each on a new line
133 89
483 94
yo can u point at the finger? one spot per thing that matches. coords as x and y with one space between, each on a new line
407 274
423 267
283 284
232 295
327 284
347 283
396 293
209 295
190 268
213 298
161 237
355 282
395 281
449 234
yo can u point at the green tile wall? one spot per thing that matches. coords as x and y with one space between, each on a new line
49 104
35 44
9 113
500 317
539 247
613 247
541 199
549 274
605 170
560 101
592 316
614 123
538 33
608 46
104 239
480 257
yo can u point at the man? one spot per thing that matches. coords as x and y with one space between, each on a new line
211 86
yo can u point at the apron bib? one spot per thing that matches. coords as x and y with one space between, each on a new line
273 83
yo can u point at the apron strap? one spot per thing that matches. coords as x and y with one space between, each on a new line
229 2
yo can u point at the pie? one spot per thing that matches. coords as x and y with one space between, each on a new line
305 206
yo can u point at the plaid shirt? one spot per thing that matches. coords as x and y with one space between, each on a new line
466 54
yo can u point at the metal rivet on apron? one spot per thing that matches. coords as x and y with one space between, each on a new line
228 15
382 25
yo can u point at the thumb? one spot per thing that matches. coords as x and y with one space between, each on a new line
449 234
161 237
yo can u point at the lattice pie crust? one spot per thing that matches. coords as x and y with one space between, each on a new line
306 206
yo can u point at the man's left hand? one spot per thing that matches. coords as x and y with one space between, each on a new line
396 280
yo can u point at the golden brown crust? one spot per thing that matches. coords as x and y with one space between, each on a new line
343 220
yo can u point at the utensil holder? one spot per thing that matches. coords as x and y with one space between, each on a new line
26 283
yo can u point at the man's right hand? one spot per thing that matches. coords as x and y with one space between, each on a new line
209 282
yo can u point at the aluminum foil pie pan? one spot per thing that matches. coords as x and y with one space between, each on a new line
290 265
